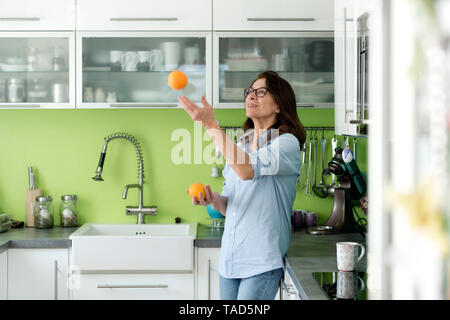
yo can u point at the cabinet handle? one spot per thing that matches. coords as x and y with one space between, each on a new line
142 105
142 19
362 121
131 286
20 19
20 105
209 279
281 19
56 279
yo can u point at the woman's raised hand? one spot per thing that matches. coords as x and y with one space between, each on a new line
205 115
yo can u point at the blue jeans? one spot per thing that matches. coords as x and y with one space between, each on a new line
262 286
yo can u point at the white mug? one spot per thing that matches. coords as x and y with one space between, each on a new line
115 56
116 60
156 59
171 54
347 255
130 61
347 285
191 55
144 56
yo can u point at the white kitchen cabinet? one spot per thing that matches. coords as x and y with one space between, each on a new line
4 275
304 59
289 291
144 15
282 15
133 68
37 70
158 286
345 76
38 274
208 274
348 106
37 15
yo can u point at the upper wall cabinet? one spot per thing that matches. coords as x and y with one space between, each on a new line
37 15
37 69
151 15
281 15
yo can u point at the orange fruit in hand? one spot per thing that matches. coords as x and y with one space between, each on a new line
177 80
195 189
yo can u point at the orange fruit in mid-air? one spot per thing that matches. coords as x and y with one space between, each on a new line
177 80
195 189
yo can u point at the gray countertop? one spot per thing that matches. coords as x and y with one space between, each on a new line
307 253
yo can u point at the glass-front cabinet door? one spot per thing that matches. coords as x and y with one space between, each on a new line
37 70
131 69
304 59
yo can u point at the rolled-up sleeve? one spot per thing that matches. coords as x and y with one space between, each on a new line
280 157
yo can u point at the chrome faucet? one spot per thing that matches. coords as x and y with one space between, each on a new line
140 211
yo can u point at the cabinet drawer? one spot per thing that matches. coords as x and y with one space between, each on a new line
132 286
144 15
287 15
37 15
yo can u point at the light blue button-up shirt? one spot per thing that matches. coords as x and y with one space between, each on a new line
258 218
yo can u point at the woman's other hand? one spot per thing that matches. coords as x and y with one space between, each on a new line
204 200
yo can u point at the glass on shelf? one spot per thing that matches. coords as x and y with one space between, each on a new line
307 63
135 69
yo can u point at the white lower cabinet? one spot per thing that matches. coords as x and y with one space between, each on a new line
289 291
208 274
156 286
38 274
4 275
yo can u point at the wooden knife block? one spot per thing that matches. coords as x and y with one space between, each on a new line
30 198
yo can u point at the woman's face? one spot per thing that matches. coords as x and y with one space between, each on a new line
260 108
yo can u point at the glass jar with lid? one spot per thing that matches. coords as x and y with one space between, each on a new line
16 90
68 211
43 212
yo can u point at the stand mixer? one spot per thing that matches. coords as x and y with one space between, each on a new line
351 186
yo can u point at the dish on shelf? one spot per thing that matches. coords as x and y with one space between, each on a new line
145 96
97 69
249 64
306 97
233 94
192 67
13 67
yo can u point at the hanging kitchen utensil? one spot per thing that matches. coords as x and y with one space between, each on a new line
320 190
316 141
354 150
301 177
309 175
330 189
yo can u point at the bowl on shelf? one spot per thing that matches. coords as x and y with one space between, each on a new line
145 96
13 67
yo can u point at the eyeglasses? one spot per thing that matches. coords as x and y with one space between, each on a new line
259 92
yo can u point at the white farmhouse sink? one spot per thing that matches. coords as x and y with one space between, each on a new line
132 247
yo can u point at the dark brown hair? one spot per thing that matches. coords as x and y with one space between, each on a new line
283 94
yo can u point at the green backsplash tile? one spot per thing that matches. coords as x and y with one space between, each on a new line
63 146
